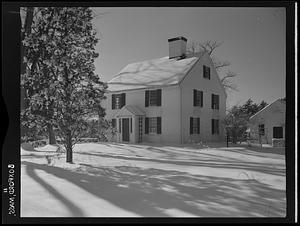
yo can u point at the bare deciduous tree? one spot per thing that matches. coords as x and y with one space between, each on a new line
220 65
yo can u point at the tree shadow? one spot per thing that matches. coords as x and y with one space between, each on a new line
262 168
152 192
30 170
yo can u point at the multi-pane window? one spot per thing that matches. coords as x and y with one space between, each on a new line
118 100
206 72
214 101
153 98
194 125
261 129
215 126
153 125
198 98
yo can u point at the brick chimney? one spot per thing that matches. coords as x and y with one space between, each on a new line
177 47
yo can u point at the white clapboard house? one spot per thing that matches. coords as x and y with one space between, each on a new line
269 122
173 99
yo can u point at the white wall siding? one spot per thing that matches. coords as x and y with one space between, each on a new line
273 115
195 80
169 111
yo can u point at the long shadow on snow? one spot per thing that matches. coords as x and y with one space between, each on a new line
148 192
76 211
205 163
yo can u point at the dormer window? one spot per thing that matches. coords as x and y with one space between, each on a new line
153 98
206 72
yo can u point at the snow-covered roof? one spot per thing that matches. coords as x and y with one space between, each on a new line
151 73
280 100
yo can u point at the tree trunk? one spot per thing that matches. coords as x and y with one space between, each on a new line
69 148
234 136
52 139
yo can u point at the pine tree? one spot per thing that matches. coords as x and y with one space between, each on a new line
68 90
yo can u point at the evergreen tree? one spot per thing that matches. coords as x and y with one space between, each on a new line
61 56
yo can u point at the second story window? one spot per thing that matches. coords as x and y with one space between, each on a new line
214 101
118 100
206 72
153 98
198 98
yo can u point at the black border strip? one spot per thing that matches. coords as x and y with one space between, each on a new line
11 93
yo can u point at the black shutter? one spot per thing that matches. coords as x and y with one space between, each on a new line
201 98
130 125
123 98
147 98
113 101
208 72
158 125
218 102
198 125
158 96
146 125
217 126
191 125
204 71
120 125
195 97
212 101
212 127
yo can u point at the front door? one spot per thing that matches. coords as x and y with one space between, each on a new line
125 129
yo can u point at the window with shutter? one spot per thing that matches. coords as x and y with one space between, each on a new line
153 98
118 100
206 72
198 98
214 101
194 125
153 125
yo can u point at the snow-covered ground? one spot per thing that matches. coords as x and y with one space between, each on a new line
147 180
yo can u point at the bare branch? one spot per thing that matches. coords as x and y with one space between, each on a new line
227 81
219 64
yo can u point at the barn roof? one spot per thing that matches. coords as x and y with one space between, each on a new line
280 100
